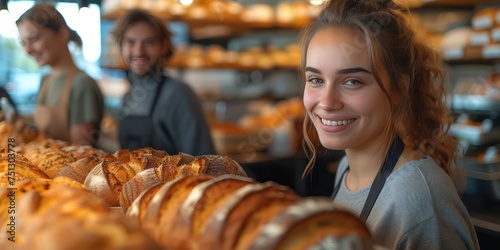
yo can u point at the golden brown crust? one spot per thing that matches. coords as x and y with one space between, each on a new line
84 221
222 231
135 186
306 223
202 201
137 210
165 206
79 169
50 160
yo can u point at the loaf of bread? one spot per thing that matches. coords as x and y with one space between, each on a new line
17 168
173 166
223 231
234 212
202 201
165 206
50 160
68 218
310 223
109 176
79 169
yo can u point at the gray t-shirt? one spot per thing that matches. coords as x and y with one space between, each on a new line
418 208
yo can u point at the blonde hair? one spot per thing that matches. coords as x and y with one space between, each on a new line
409 69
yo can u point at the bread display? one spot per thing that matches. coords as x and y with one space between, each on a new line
20 170
234 212
50 160
82 219
173 166
223 231
170 202
309 223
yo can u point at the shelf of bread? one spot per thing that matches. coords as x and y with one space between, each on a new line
229 13
477 42
148 199
217 57
451 3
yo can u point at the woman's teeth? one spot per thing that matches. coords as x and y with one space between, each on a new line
336 123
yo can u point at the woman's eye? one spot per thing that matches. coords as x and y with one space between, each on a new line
315 80
352 82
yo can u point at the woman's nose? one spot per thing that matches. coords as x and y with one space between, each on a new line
331 98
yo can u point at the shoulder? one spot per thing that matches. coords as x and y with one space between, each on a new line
178 91
83 82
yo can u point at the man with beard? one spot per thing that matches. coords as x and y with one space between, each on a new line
159 111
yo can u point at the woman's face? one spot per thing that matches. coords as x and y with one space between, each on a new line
141 49
43 44
345 103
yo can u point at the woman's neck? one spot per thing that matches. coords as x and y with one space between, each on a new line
63 66
365 163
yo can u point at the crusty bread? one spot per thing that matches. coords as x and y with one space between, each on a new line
83 151
79 169
20 170
68 218
202 201
258 219
106 180
50 160
223 228
213 165
137 210
135 186
164 208
309 223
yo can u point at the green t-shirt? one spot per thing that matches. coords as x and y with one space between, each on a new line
85 103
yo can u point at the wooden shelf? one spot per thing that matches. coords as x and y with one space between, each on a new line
234 21
233 67
473 55
458 3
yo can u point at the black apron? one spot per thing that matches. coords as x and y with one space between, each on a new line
137 131
397 148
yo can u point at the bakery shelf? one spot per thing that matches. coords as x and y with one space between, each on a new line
233 21
459 3
475 104
474 135
234 67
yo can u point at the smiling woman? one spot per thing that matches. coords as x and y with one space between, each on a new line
374 90
19 72
69 105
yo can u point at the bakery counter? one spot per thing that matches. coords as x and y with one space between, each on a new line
287 170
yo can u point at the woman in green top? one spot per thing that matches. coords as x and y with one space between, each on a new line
70 105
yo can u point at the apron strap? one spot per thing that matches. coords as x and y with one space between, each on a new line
67 89
63 100
43 90
395 151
